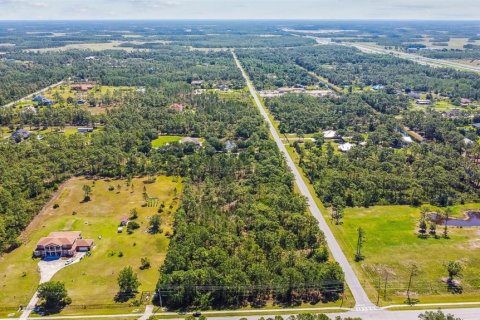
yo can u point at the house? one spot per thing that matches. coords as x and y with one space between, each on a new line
81 86
329 134
124 222
476 125
196 82
84 130
454 113
42 101
29 109
195 141
467 142
90 58
464 102
424 102
223 87
345 147
378 87
230 145
20 135
413 95
177 107
141 90
62 244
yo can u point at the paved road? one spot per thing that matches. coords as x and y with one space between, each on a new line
47 271
361 298
416 58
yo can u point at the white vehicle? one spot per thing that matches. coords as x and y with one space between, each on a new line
68 261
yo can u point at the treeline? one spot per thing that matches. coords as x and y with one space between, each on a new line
346 66
271 69
27 72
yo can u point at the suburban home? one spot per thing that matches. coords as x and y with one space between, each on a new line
84 130
329 134
20 135
42 101
424 102
196 82
81 86
345 147
177 107
62 244
464 102
195 141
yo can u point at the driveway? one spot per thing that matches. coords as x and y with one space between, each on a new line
47 270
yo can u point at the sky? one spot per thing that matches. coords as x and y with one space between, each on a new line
239 9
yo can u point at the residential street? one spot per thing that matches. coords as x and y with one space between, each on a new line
361 298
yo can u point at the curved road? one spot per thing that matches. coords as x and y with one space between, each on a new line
362 301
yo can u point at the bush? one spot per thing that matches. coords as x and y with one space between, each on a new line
132 225
56 205
145 263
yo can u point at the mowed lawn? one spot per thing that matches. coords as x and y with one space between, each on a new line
162 140
391 244
93 281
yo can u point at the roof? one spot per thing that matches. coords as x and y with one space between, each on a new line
346 147
177 106
84 242
476 125
329 134
191 140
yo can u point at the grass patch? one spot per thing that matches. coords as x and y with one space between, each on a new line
93 281
162 140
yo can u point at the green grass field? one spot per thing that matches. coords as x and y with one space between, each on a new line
392 245
93 280
162 140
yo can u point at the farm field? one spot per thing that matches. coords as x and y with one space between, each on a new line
94 46
392 244
93 281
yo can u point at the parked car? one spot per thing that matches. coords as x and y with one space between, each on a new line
197 314
68 261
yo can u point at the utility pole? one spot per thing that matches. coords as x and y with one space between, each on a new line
413 273
361 237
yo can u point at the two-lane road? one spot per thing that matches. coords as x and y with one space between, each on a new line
361 298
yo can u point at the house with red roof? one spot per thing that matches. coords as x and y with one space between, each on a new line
62 244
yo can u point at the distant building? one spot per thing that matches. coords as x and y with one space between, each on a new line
345 147
20 135
223 87
62 244
476 125
195 141
464 102
42 101
378 87
230 146
141 90
329 134
177 107
81 86
196 82
424 102
454 113
413 95
29 109
85 130
467 142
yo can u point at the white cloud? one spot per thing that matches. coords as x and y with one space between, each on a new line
238 9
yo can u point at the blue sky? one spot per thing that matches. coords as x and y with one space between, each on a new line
240 9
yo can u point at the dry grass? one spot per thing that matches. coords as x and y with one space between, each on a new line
93 280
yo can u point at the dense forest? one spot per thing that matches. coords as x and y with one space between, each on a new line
386 170
347 66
